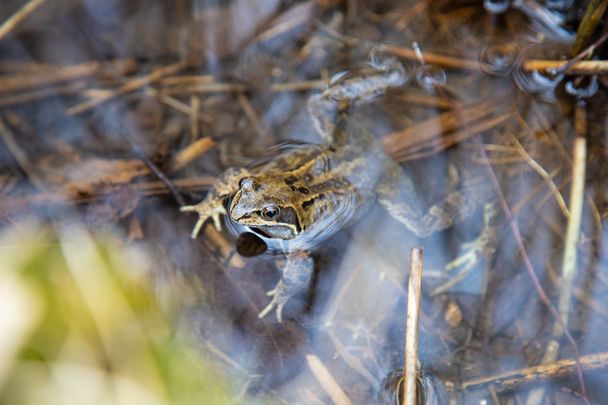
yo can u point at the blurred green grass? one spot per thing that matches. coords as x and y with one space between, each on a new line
80 324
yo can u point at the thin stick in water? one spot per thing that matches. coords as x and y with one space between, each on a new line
411 327
10 24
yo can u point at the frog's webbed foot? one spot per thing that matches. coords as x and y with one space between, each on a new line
278 301
483 246
208 208
296 274
213 205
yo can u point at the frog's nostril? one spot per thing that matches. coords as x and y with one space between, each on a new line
246 183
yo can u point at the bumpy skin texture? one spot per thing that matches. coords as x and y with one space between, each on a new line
306 193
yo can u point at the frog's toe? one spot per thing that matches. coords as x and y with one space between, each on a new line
278 302
188 208
216 221
268 309
463 265
205 211
197 227
474 252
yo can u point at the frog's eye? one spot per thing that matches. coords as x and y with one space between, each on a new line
270 212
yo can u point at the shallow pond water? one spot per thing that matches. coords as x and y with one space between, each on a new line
114 114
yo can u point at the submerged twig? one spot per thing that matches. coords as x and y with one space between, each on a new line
327 381
10 24
530 269
439 132
584 67
19 155
38 94
577 192
410 54
411 329
195 105
27 81
592 17
577 195
586 53
178 105
192 152
130 86
511 380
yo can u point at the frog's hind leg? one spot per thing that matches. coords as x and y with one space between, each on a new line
398 196
396 193
329 108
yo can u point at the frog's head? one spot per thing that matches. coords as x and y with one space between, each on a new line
266 205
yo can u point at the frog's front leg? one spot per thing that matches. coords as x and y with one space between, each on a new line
213 205
296 274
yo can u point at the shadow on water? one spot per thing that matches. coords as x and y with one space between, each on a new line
113 114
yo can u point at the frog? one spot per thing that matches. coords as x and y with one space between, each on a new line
305 193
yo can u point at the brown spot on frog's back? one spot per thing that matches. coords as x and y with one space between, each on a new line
290 180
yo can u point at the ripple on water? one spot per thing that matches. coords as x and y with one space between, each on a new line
429 76
496 6
584 87
536 82
498 58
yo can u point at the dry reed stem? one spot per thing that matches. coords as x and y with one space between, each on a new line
352 361
577 192
130 86
429 101
38 94
433 127
17 66
252 116
20 156
592 17
444 61
327 381
44 199
559 199
195 105
577 196
511 220
10 24
178 105
584 67
191 152
205 88
223 246
26 81
432 135
186 80
411 328
225 357
409 14
511 380
206 84
298 86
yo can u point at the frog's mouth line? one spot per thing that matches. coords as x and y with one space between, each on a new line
274 232
260 232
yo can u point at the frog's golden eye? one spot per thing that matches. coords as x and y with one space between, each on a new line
270 212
